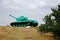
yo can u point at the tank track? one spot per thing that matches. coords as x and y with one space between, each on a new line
22 24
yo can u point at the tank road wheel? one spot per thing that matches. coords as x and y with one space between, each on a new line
35 24
28 24
13 25
24 24
19 25
16 25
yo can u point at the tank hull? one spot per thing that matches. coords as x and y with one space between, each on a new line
22 24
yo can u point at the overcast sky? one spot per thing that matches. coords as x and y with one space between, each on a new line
33 9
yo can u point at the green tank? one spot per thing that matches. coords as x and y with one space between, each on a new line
23 21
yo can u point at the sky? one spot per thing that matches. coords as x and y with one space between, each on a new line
32 9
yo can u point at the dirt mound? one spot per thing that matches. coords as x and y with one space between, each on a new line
21 33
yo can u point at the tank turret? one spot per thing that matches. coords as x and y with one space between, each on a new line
23 21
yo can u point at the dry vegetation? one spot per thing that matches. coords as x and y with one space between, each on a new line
21 33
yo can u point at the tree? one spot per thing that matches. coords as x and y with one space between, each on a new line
53 24
56 14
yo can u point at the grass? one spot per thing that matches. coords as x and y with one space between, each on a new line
21 33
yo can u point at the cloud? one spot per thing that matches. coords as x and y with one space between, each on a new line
28 4
33 9
18 4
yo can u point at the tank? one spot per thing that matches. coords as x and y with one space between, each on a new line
23 22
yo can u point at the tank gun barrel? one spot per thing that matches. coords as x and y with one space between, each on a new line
12 16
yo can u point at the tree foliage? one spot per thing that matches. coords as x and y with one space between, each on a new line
52 24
